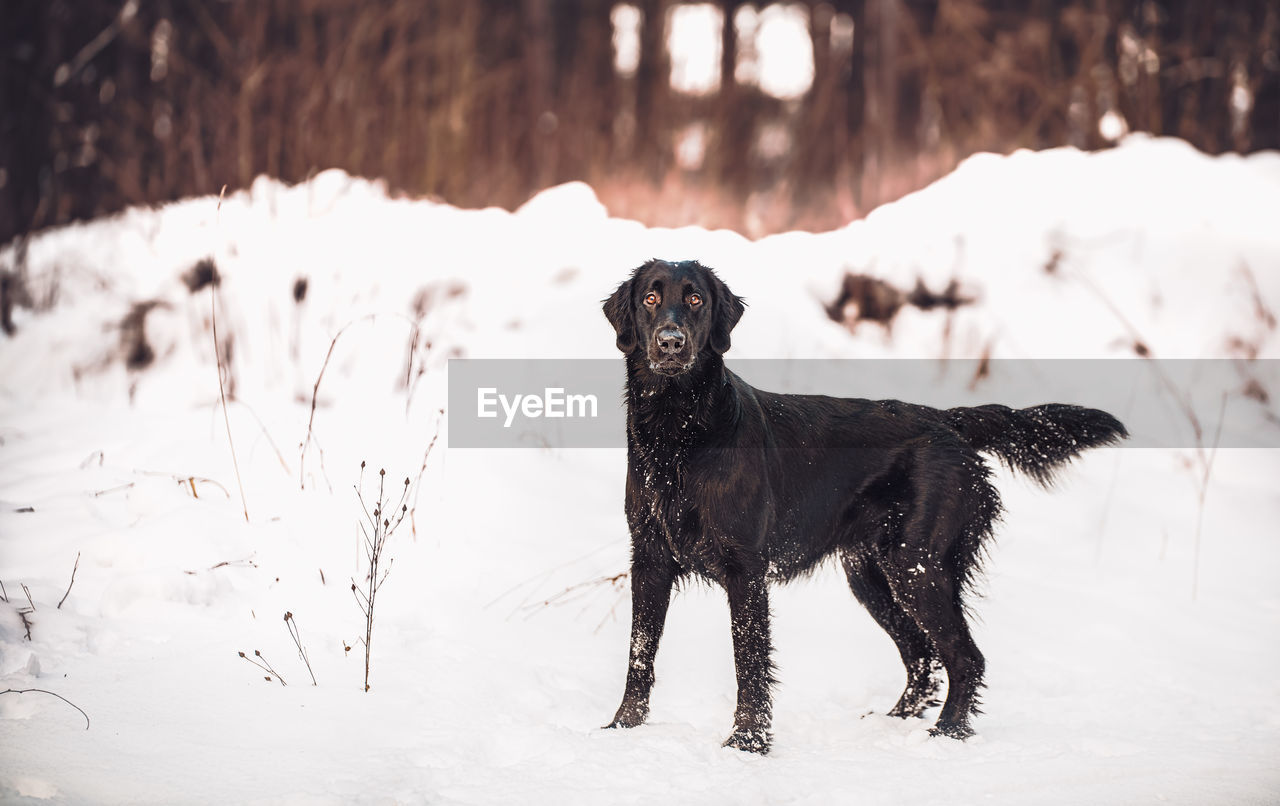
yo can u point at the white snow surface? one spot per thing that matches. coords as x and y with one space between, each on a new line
1128 661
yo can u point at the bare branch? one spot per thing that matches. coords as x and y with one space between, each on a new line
263 427
262 664
315 389
1204 489
292 625
73 581
51 694
417 486
217 354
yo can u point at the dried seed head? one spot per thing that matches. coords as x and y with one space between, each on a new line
406 481
382 472
256 652
362 464
404 508
386 524
243 656
287 615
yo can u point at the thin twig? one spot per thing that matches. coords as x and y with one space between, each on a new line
1203 459
222 393
361 601
27 591
411 382
413 348
109 490
182 481
573 592
1204 489
1183 401
613 610
246 561
542 575
264 665
324 472
4 594
52 694
292 625
261 425
73 581
417 484
315 389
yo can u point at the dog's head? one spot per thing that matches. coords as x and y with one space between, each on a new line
670 313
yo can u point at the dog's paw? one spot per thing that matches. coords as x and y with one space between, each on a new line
750 741
907 711
952 730
628 716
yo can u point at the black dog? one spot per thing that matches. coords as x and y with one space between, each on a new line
741 486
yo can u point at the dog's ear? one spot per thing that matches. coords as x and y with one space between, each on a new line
619 310
726 311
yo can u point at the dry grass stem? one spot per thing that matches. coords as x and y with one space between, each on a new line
51 694
73 581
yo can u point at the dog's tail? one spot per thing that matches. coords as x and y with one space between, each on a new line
1037 441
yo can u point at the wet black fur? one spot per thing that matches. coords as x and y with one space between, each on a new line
742 487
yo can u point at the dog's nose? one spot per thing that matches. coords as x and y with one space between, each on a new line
670 340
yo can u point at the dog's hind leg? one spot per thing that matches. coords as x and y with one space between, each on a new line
871 589
930 594
927 570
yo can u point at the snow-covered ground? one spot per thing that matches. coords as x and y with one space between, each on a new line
1129 661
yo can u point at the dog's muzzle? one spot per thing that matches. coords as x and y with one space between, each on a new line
667 354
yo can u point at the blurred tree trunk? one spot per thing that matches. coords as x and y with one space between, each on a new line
916 28
881 115
495 128
1264 81
653 86
854 90
29 50
729 161
540 118
821 138
586 86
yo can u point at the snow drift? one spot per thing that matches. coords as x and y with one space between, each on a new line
1126 614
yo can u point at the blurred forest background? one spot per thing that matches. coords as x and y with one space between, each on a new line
108 103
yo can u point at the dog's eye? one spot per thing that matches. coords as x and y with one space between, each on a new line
695 300
651 298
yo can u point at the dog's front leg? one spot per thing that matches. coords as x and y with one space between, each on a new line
652 579
749 612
